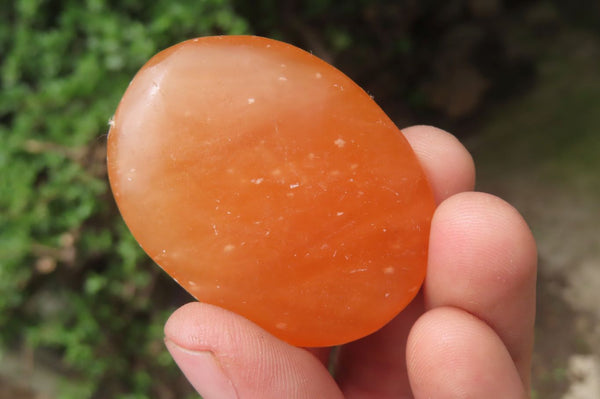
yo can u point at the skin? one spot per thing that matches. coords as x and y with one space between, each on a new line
469 333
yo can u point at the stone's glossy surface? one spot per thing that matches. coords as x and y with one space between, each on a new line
265 181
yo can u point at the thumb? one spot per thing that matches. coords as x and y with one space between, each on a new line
224 356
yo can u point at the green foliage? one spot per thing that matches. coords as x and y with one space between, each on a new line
73 282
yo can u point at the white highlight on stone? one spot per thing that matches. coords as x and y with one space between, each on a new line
154 89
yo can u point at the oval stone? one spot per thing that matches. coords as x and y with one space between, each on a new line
265 181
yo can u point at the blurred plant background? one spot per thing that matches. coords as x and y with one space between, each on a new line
81 306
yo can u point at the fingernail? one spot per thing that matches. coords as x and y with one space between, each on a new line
203 371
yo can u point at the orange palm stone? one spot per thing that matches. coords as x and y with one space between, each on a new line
265 181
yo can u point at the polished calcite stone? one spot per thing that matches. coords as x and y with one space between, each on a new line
266 182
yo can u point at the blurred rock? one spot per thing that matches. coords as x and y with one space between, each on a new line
584 372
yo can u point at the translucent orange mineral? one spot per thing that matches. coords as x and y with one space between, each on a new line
265 181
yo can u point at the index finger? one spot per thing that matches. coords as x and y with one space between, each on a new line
446 162
376 364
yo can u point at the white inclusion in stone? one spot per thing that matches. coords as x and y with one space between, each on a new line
318 75
257 180
282 78
387 295
251 100
340 142
131 174
360 269
339 213
295 185
214 227
276 172
388 270
228 248
281 325
192 283
217 286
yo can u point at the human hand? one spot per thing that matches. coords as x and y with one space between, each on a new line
468 334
